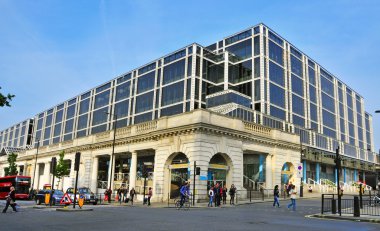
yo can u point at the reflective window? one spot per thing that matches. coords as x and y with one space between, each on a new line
58 116
313 94
276 73
340 94
123 90
350 115
84 106
57 129
39 123
276 53
277 95
179 55
240 72
174 71
349 100
341 110
213 72
144 102
189 65
327 86
69 126
242 50
257 45
172 94
47 133
312 76
296 65
351 129
102 99
275 38
342 126
296 53
298 121
329 132
124 78
297 85
177 109
145 82
49 118
276 112
104 87
238 37
328 119
81 133
257 67
313 112
98 129
298 105
121 109
328 102
99 116
143 118
82 121
70 112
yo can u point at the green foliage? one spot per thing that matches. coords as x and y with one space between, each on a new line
62 168
12 168
5 99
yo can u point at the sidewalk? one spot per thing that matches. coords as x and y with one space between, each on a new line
347 217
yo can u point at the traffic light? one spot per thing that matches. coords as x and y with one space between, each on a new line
197 171
77 161
53 165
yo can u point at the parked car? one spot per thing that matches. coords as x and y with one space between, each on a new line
56 197
89 197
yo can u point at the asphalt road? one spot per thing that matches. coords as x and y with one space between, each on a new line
260 216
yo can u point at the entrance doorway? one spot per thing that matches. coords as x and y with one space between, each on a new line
179 174
217 171
287 173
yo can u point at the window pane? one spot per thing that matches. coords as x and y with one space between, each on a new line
276 112
328 119
275 53
297 105
102 99
57 129
242 50
99 116
328 102
311 76
69 126
145 82
121 109
276 74
144 102
277 95
58 116
122 91
213 72
240 72
177 109
296 66
172 94
84 105
327 86
70 112
82 121
174 71
313 112
49 118
143 118
297 85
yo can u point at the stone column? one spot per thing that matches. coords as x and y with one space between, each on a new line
133 170
268 172
36 176
109 182
94 174
47 174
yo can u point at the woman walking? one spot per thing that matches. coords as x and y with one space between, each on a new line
232 194
150 194
293 194
276 195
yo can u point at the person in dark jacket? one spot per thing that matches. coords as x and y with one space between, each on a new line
150 194
132 194
11 198
224 194
109 194
217 195
232 194
276 195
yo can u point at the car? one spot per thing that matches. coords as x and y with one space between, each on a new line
89 197
56 198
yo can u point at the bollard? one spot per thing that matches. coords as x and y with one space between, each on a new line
333 206
356 207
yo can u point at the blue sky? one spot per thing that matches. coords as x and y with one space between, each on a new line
53 50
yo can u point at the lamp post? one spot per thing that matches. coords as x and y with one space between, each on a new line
35 165
378 161
113 147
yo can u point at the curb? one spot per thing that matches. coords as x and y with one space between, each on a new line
74 210
355 219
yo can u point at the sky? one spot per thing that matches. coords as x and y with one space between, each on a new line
52 50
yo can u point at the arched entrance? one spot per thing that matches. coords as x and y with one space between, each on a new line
287 173
217 171
179 173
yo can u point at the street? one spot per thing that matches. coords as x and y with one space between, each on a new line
259 216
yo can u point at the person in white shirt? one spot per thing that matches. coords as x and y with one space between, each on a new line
293 194
211 195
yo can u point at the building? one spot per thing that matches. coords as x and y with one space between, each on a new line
248 109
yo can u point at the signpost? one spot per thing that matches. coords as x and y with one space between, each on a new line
76 168
300 170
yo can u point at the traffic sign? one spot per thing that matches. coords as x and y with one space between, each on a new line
81 200
47 198
300 170
66 200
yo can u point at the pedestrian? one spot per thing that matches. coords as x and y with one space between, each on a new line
150 193
217 195
293 194
119 192
125 192
211 197
109 194
232 194
288 188
10 199
132 195
276 195
224 194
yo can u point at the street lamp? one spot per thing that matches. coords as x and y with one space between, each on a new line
35 166
113 147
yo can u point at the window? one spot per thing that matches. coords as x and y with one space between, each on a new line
298 121
57 129
327 86
178 55
147 68
174 71
240 72
328 119
82 121
257 67
275 38
145 82
242 50
99 116
144 102
98 129
276 74
102 99
277 95
143 118
297 85
177 109
313 112
172 94
70 112
312 76
84 106
312 94
238 37
121 109
124 78
298 105
328 102
256 42
69 126
123 90
276 53
213 72
296 66
276 112
104 87
349 100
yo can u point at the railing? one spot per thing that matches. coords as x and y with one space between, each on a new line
102 184
121 176
249 182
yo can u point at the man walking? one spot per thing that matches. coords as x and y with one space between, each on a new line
11 198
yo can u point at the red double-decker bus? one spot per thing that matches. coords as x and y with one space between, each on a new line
21 184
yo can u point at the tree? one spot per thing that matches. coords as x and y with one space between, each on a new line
5 100
62 168
12 168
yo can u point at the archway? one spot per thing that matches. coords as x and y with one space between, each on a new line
178 172
218 170
287 173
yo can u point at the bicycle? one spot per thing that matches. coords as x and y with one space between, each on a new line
185 205
375 200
